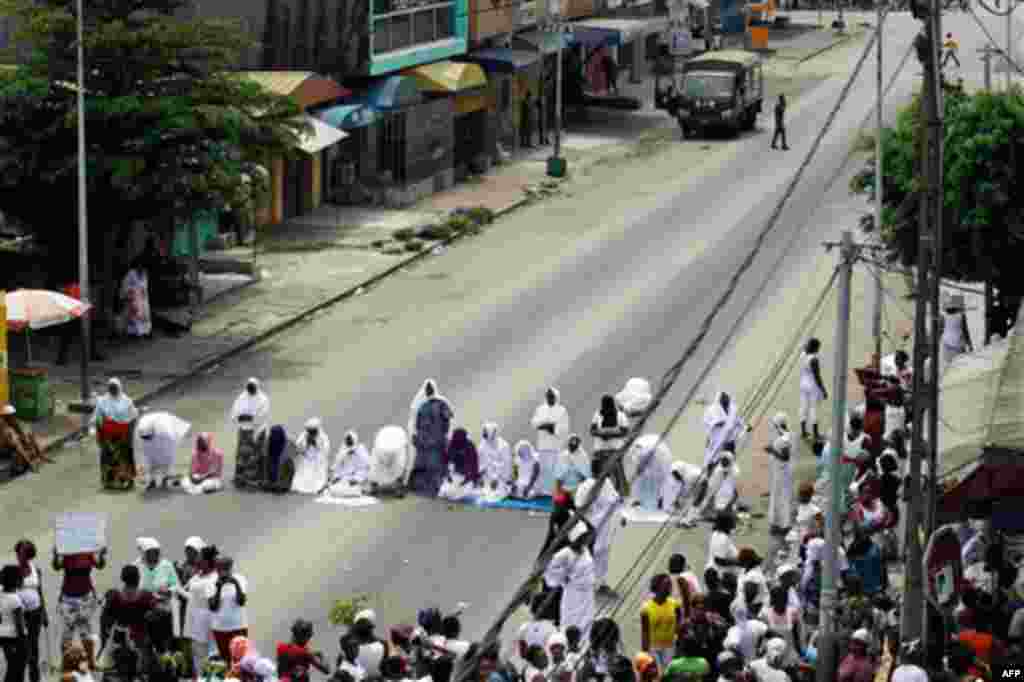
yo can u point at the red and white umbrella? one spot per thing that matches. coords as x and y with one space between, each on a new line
29 309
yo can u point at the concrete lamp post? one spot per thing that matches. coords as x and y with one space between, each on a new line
557 165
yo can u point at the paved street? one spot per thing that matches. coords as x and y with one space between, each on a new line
582 292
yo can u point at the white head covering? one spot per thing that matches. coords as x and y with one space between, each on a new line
489 432
578 531
775 650
783 569
726 459
635 396
862 635
781 423
195 542
355 440
557 637
558 395
259 666
726 656
366 614
714 414
253 381
419 400
313 423
147 544
524 450
114 381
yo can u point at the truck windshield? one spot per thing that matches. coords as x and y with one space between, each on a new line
704 84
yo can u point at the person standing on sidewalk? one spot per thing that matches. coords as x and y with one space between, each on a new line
951 46
32 599
780 124
525 122
13 633
812 388
542 133
956 336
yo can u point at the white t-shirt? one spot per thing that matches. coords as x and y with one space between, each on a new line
9 603
537 632
909 673
230 616
197 614
722 547
745 638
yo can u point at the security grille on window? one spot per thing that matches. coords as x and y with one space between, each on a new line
402 28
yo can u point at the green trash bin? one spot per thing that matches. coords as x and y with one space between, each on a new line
30 393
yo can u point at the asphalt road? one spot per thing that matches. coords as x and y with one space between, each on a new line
582 293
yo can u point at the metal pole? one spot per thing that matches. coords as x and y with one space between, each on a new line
876 316
913 602
1009 42
833 519
558 89
987 58
83 225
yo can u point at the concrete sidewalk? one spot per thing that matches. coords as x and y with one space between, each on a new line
314 261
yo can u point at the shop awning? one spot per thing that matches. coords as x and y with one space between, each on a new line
503 59
544 41
348 116
308 89
322 136
615 32
393 92
448 77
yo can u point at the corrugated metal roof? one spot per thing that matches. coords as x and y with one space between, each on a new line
278 82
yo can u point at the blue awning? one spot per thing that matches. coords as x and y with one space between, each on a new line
593 37
348 116
613 32
392 92
502 59
544 42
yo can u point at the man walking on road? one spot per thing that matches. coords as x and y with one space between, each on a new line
951 47
780 124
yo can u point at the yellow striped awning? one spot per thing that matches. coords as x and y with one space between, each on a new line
448 77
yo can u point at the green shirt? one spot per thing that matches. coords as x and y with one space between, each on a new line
686 669
155 579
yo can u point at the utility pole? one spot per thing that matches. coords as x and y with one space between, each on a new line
833 519
83 214
927 44
1010 6
876 311
986 58
556 164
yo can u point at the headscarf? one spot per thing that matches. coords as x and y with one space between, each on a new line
558 395
420 400
206 459
636 396
781 423
555 639
489 433
462 454
257 406
715 415
323 442
240 647
525 451
118 408
147 544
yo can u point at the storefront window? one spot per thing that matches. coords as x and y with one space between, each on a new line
404 26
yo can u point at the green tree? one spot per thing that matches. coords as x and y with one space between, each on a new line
170 131
983 209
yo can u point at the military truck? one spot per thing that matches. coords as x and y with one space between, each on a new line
718 89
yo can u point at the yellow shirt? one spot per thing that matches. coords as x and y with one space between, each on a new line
951 45
661 619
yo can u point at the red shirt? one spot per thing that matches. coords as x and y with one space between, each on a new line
293 661
130 611
77 574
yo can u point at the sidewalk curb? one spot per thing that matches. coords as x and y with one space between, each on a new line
218 359
844 39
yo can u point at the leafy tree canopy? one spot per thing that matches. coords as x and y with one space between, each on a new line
983 157
170 131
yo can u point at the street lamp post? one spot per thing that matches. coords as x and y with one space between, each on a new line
83 226
556 164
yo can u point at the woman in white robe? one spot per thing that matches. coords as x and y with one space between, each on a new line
157 437
573 466
390 461
679 487
723 424
780 505
551 420
648 465
495 463
527 465
604 515
573 569
312 459
251 409
351 468
721 494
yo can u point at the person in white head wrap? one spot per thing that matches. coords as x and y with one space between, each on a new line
158 575
780 505
648 464
573 466
390 461
111 420
495 457
769 668
561 663
572 569
635 398
251 409
527 466
312 460
722 424
157 436
680 486
745 636
722 493
351 468
605 516
551 420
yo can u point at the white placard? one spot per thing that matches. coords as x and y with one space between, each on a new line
680 41
80 532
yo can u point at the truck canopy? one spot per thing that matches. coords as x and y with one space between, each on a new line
722 60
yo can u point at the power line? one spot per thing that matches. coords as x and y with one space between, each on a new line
992 40
672 375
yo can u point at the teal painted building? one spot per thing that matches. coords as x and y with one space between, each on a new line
407 33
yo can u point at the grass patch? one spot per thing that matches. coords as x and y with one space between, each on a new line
414 246
436 233
404 234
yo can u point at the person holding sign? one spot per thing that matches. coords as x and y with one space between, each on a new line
77 602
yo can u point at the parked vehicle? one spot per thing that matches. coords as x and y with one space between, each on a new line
719 89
